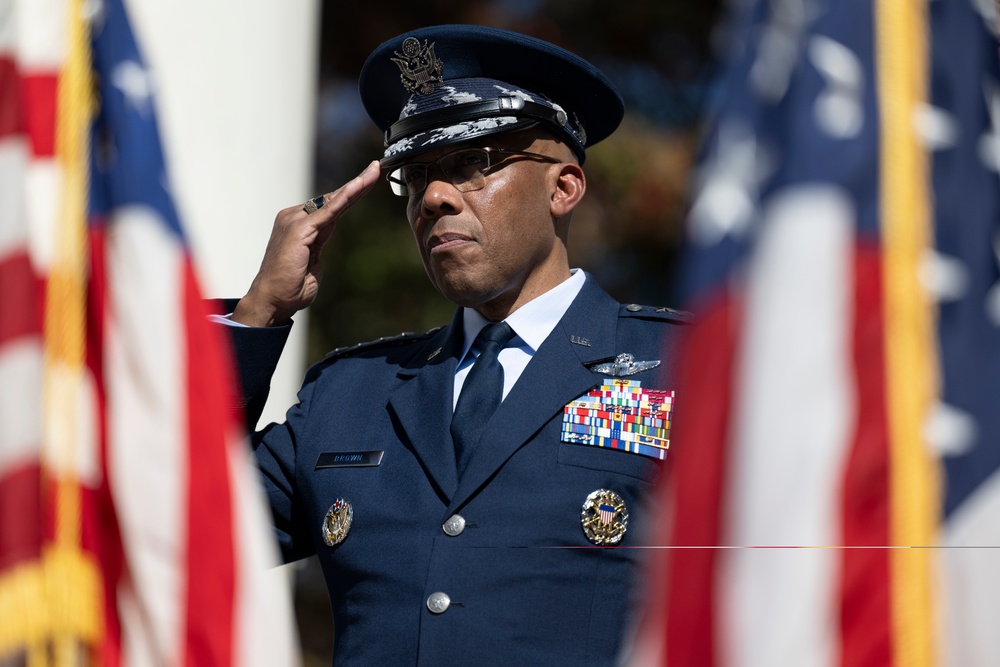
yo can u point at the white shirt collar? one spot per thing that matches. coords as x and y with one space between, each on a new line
532 322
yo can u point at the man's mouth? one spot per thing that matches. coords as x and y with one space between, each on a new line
440 242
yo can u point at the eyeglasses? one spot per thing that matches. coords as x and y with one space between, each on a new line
466 169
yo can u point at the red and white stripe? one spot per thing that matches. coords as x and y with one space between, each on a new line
28 67
784 534
783 383
786 447
191 521
171 512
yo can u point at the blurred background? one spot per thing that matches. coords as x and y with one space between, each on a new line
627 232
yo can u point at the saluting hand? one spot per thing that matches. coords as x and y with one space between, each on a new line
290 273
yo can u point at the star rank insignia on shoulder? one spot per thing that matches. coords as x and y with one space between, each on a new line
399 339
655 312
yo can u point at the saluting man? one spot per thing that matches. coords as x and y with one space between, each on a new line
471 504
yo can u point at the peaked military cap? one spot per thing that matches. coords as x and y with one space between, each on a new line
447 84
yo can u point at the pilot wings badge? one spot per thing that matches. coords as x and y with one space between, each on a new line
624 365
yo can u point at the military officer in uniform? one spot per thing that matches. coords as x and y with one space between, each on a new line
465 490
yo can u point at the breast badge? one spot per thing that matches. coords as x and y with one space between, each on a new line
623 365
604 518
337 523
621 415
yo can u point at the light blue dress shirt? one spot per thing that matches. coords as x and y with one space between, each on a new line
532 322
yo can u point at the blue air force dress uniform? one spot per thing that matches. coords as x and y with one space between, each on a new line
499 563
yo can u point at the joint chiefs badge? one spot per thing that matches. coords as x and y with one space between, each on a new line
604 517
337 523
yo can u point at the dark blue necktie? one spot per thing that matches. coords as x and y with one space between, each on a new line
481 392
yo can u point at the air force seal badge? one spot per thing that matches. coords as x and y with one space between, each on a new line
604 518
337 523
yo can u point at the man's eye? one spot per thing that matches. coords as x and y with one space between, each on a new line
472 159
413 172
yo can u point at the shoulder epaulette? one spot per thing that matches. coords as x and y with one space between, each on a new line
655 312
398 339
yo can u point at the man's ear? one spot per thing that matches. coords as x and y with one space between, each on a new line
570 184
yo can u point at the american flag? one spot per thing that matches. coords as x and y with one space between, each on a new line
835 486
131 531
607 513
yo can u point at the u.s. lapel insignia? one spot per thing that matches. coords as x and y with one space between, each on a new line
621 415
624 365
337 523
420 70
604 518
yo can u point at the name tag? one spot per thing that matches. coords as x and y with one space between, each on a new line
350 459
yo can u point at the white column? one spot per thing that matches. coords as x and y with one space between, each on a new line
236 84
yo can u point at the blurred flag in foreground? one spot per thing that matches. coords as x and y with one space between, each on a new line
130 529
835 488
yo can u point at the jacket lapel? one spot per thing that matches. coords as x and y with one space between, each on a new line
423 405
555 376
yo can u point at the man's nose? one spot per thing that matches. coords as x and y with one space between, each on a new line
440 196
